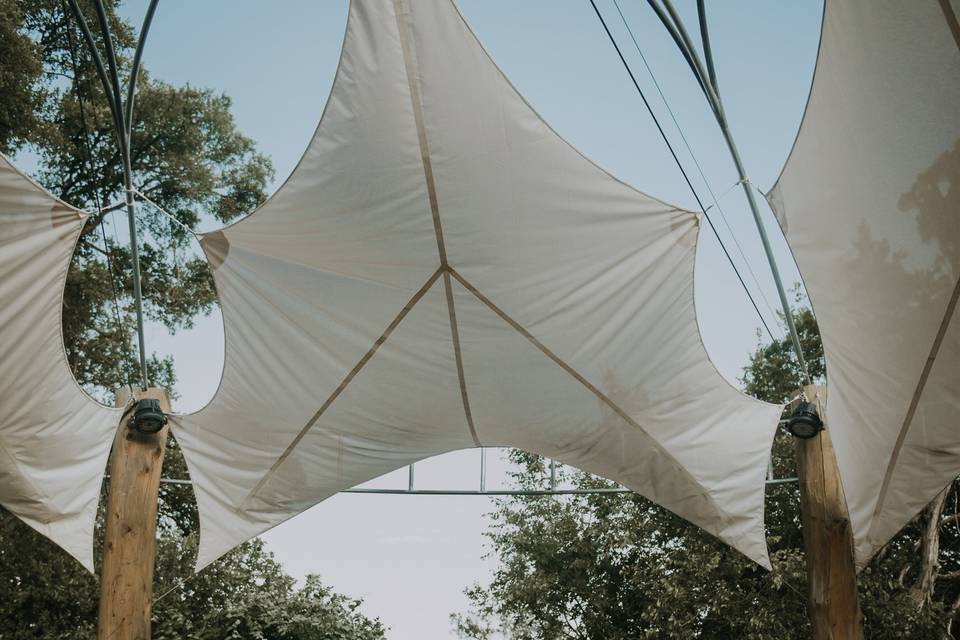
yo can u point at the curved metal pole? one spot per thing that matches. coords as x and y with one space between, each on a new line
135 70
124 141
111 89
665 19
678 33
673 153
713 96
97 62
112 69
705 39
781 292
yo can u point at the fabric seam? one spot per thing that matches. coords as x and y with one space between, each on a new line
914 403
407 46
725 517
367 357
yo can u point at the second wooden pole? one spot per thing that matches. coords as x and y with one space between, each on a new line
130 542
833 605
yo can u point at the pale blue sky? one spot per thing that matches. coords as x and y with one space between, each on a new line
411 557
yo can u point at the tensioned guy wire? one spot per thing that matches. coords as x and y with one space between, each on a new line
680 166
696 163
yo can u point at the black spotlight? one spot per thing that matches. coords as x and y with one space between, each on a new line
805 422
147 416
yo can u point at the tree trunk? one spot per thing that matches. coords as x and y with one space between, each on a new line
922 590
129 544
833 604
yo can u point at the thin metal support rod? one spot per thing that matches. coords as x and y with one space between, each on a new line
137 292
97 62
782 480
112 67
705 39
679 164
175 481
758 220
135 69
123 121
687 42
657 9
677 31
483 469
111 89
483 491
410 478
553 474
512 492
495 492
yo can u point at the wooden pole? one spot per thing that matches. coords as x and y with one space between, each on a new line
833 605
129 544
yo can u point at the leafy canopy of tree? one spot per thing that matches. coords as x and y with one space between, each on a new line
186 154
618 567
20 97
189 157
246 594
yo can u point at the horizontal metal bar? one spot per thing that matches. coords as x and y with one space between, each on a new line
782 480
174 481
490 492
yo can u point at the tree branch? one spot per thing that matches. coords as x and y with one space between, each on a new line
922 590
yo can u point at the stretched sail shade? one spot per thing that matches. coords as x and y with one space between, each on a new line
442 271
54 440
870 204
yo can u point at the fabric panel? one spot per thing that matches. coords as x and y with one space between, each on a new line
460 276
868 200
54 439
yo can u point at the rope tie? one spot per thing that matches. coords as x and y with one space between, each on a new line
172 217
717 199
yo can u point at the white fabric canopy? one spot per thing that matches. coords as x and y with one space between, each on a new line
870 204
442 271
54 440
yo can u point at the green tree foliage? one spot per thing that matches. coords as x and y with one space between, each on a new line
20 96
189 157
186 154
244 595
256 600
612 567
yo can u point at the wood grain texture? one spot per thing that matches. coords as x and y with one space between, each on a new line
833 605
129 544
